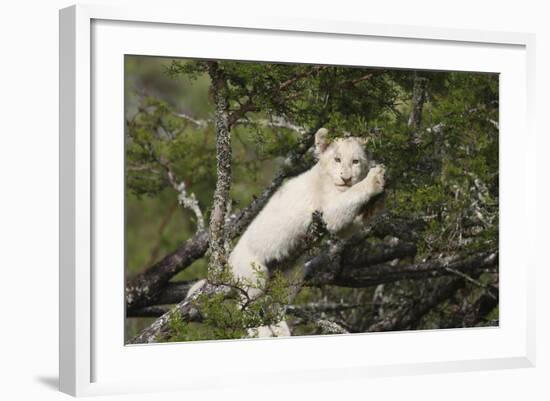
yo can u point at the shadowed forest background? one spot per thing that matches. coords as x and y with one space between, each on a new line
428 257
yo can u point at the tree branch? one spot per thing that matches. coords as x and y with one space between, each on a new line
187 200
146 288
274 122
369 270
198 123
358 277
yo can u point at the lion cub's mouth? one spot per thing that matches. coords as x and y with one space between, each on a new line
344 185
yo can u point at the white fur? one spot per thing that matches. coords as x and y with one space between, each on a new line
284 220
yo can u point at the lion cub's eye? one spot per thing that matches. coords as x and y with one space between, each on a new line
337 159
355 161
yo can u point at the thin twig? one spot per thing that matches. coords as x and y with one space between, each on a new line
472 280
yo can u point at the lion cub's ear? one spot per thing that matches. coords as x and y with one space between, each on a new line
363 140
321 140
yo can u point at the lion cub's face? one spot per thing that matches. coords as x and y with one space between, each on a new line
344 160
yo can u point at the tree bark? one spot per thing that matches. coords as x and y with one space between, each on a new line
218 238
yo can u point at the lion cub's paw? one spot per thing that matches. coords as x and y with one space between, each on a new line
376 179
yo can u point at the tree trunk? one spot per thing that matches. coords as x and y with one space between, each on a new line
218 237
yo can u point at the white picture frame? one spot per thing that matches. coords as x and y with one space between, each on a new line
94 360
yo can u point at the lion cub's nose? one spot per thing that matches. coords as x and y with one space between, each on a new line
347 181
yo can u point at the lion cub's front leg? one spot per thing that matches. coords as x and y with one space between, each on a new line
345 207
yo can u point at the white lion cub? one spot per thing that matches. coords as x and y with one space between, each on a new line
338 186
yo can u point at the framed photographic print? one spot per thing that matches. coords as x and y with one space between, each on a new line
278 199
